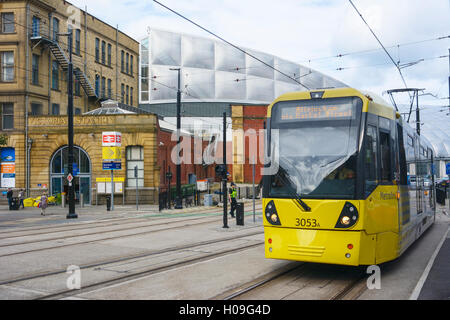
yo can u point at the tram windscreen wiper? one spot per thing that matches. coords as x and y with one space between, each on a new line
283 177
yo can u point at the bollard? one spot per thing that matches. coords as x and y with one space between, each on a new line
108 203
82 200
240 214
63 200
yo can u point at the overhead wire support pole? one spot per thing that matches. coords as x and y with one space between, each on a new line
234 46
178 199
225 174
71 191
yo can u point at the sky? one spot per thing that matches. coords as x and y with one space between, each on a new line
313 33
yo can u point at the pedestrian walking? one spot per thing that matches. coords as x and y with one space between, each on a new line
9 195
44 203
232 197
21 198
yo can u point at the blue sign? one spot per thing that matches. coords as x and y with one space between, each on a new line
8 155
447 168
9 175
112 165
75 169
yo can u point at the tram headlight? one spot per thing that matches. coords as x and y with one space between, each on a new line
348 218
272 214
345 220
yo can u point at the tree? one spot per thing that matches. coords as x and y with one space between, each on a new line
3 139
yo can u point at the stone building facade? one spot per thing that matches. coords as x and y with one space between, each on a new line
139 147
33 77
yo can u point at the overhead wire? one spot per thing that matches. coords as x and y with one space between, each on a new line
381 44
341 55
229 43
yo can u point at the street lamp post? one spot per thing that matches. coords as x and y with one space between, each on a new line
178 199
71 191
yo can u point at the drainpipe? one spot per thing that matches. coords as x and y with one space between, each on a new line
86 109
50 16
117 64
27 84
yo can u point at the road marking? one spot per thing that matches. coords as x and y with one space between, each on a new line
415 294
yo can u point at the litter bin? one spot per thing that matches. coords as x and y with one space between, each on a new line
108 203
440 196
240 213
208 200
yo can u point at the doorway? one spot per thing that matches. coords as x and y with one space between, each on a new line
81 170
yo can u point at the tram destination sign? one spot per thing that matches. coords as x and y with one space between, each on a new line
312 113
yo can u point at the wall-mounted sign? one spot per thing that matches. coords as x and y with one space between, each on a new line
111 154
104 185
8 175
8 168
112 165
111 139
8 155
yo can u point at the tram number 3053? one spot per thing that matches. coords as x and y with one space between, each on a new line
309 223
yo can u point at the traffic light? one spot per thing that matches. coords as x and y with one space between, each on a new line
221 170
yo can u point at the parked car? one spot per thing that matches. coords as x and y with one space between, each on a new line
412 181
443 183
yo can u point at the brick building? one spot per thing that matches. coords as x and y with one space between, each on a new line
248 142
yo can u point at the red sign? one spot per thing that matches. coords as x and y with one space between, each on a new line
69 178
112 139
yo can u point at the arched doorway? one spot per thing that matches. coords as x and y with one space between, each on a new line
59 165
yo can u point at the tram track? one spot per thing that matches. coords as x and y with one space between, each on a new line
53 247
140 255
147 271
103 223
92 233
71 225
351 289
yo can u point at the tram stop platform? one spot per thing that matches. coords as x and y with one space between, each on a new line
437 283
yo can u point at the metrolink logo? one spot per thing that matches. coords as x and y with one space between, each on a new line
387 196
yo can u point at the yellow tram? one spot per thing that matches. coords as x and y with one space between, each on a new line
348 181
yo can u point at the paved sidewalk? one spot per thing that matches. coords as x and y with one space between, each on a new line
437 284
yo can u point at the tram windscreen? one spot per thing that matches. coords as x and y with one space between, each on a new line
315 145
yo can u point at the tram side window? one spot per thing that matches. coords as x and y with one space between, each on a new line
386 175
402 157
370 161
